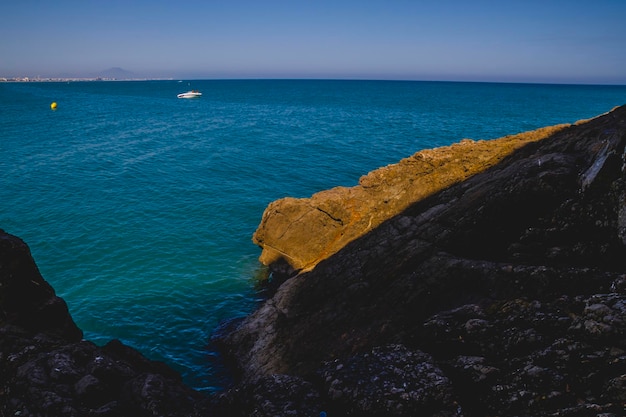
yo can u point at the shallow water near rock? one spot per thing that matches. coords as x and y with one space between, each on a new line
139 207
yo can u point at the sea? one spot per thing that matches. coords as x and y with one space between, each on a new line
139 207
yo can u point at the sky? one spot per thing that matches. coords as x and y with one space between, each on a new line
548 41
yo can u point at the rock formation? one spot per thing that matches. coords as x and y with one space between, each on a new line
490 276
296 234
46 369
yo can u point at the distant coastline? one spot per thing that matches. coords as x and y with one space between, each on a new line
111 74
72 79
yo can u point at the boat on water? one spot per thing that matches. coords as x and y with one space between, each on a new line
190 94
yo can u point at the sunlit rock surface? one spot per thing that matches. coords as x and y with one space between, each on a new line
296 234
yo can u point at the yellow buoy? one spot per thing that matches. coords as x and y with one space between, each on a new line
53 106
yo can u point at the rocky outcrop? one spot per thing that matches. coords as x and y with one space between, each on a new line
499 292
46 369
26 299
296 234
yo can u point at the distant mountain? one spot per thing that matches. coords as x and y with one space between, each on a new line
117 73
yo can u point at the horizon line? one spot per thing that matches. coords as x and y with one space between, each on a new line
95 78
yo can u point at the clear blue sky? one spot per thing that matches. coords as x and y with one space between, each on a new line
566 41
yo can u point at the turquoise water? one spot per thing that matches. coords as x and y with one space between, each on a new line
139 207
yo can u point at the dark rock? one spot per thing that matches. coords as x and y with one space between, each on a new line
27 300
511 279
535 356
390 381
271 396
47 370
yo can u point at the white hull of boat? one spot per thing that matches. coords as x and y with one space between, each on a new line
190 94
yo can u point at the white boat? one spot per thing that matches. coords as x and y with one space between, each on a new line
190 94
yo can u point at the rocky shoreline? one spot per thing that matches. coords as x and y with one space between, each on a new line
507 284
47 369
481 279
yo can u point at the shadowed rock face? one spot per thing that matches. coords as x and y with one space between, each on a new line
47 370
496 275
26 300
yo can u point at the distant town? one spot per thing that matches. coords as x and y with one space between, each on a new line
111 74
68 79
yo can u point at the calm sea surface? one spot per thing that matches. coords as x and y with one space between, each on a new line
139 207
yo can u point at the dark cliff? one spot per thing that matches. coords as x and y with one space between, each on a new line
497 294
